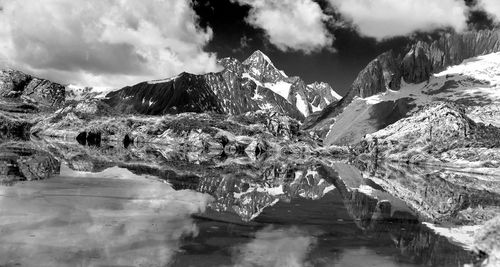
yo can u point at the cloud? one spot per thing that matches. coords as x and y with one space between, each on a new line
244 43
388 18
103 42
276 247
297 25
492 7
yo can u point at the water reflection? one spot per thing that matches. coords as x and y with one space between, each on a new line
152 206
276 247
22 160
110 218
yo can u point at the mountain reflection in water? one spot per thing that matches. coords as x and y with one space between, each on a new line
149 206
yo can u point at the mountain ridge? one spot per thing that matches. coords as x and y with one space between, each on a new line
251 85
389 72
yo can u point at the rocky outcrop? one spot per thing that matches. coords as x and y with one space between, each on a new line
16 85
379 75
440 133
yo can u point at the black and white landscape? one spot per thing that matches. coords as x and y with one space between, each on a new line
250 133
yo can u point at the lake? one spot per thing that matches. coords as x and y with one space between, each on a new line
153 206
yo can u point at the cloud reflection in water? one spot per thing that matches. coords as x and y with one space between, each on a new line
110 218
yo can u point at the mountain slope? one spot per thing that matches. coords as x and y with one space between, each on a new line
391 87
185 93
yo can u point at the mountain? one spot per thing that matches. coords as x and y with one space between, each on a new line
255 84
307 98
20 92
394 86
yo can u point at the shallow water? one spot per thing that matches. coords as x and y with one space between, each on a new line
231 215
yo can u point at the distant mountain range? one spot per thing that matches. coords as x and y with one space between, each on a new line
255 84
391 87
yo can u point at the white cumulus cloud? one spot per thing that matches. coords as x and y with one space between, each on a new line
297 25
387 18
103 42
492 7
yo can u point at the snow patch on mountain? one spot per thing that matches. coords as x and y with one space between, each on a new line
163 80
283 73
302 105
282 88
335 94
248 76
486 67
78 92
316 108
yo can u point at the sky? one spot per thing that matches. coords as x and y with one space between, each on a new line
114 43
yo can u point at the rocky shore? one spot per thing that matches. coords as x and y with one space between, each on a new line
440 134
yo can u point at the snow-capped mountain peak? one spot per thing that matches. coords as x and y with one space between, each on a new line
258 56
261 67
79 92
307 99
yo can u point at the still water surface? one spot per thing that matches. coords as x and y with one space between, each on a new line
117 218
